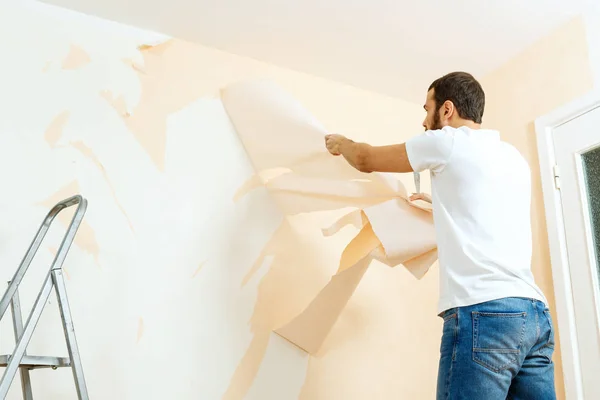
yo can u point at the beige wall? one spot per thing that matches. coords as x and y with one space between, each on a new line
591 19
547 75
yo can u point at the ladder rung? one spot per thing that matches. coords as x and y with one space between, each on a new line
34 362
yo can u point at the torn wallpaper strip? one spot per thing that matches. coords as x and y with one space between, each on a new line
287 149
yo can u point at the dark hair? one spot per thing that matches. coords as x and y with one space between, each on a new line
464 91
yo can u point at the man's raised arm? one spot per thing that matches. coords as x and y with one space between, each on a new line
367 158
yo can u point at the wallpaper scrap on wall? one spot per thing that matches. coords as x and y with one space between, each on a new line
286 146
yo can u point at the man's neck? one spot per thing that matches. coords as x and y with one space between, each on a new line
459 123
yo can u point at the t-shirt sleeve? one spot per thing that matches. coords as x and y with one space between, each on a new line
430 150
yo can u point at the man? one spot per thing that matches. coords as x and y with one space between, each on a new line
498 338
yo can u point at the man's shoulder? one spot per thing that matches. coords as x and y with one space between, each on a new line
513 157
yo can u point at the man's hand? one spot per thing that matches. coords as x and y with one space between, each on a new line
420 196
334 143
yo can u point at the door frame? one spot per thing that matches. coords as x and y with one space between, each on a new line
565 311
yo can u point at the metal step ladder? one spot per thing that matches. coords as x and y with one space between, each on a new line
19 360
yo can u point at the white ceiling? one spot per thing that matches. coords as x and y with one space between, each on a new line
395 47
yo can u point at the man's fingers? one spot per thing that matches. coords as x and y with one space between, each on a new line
330 145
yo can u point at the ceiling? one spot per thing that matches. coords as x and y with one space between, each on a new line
395 47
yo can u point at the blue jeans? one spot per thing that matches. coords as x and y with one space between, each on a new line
497 350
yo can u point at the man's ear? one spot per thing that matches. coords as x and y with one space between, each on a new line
448 108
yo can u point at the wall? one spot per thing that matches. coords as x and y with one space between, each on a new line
591 19
171 295
549 74
163 307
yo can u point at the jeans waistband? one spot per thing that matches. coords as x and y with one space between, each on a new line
453 310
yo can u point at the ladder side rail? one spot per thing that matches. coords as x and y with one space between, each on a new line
18 330
69 330
19 352
69 236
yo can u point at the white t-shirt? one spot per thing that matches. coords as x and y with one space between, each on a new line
481 195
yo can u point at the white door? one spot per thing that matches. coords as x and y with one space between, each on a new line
577 155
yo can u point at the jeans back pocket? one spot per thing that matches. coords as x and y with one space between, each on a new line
497 339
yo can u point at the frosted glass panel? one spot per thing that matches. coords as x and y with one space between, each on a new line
591 170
